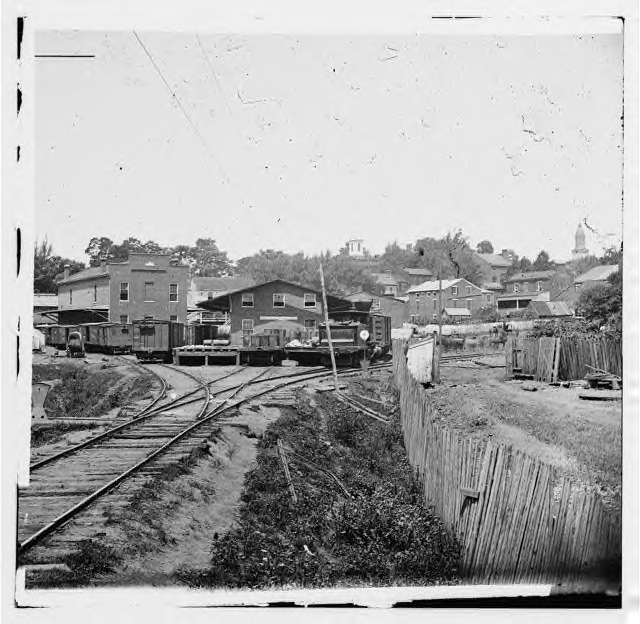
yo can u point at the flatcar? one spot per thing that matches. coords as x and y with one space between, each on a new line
263 349
155 340
352 342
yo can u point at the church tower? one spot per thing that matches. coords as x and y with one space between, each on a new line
580 250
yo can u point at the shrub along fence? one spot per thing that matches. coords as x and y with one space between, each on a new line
517 520
553 359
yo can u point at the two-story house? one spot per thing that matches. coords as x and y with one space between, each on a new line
493 268
274 305
585 281
424 300
146 286
396 284
522 288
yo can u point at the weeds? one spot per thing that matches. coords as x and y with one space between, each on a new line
383 535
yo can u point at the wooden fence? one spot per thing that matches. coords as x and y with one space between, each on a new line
553 359
517 521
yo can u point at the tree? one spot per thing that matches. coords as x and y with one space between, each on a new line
612 255
524 265
48 268
209 260
543 262
98 248
603 302
484 247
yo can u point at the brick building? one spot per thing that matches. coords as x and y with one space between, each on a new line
275 305
146 286
493 268
422 307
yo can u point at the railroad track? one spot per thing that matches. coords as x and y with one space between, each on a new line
98 468
468 356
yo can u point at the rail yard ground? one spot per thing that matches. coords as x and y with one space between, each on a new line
222 514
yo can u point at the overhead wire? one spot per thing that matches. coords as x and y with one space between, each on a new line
181 107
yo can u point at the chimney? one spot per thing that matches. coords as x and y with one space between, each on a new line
505 254
103 264
67 268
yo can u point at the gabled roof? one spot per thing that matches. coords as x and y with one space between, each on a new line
550 308
365 295
457 311
222 301
530 276
93 272
494 259
435 285
225 284
597 274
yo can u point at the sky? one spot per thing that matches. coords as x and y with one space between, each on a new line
301 143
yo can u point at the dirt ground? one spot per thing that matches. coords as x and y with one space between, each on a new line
583 439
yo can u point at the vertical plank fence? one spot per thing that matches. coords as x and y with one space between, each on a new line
517 521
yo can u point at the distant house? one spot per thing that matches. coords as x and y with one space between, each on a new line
395 284
455 315
274 305
44 302
146 286
424 299
585 281
548 310
493 268
389 306
523 288
203 288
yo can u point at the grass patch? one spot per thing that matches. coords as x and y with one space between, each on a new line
84 394
41 436
381 535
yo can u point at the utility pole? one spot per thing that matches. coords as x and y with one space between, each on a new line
326 320
438 351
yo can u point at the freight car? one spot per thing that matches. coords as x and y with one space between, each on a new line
352 342
58 335
263 349
117 338
155 340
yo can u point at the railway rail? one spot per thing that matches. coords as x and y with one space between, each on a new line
171 434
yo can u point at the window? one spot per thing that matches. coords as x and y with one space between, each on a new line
95 294
418 296
309 300
516 288
278 300
578 286
148 291
376 304
148 317
468 304
488 298
468 290
455 303
538 286
494 278
454 290
173 317
209 295
124 291
70 296
526 286
434 317
124 319
247 300
173 292
247 325
309 323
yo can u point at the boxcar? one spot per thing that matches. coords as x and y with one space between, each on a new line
59 334
92 334
117 337
155 340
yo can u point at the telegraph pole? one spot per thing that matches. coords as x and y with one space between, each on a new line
326 320
438 351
